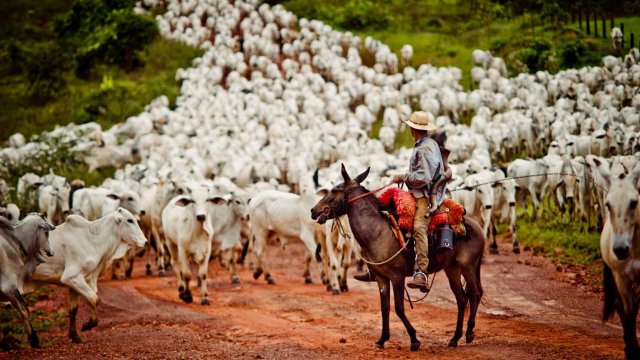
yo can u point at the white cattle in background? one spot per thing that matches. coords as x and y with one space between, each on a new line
54 202
94 203
477 199
285 216
530 177
81 251
504 209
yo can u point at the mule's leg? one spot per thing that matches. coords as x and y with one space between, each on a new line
17 300
453 274
385 307
473 293
631 349
398 299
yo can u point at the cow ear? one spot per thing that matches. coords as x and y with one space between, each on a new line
603 170
113 197
217 200
184 202
496 184
345 176
360 178
36 185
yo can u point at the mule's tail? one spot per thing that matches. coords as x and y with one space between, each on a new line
610 294
467 289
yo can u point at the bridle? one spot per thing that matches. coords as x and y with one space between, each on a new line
344 204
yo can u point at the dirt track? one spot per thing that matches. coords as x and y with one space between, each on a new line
531 311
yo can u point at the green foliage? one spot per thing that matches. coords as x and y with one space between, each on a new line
571 52
357 15
44 66
537 55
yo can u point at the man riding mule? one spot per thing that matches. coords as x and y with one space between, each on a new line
388 261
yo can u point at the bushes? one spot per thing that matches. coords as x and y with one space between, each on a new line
571 52
537 56
358 15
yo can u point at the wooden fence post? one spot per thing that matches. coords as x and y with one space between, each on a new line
580 18
632 41
595 24
586 14
604 28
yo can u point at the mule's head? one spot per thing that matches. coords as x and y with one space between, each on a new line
622 208
334 203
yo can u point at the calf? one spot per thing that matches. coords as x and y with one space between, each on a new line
82 250
23 246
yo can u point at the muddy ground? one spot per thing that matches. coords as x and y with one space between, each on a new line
532 309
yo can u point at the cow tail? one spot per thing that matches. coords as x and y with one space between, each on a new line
610 294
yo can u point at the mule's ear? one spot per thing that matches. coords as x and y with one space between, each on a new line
113 197
345 176
322 192
360 178
184 202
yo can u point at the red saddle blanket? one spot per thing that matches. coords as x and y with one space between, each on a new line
449 212
405 206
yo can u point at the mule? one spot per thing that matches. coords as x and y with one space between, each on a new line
620 246
373 233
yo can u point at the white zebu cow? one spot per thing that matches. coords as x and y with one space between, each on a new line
188 235
27 191
81 251
477 199
23 246
530 177
620 247
227 220
560 181
54 202
166 190
337 256
94 203
504 209
285 216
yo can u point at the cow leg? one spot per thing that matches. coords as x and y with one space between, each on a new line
228 255
128 263
148 258
73 311
534 201
260 244
512 228
308 239
330 242
398 299
324 243
202 282
385 307
453 274
81 287
185 275
17 300
493 248
160 253
344 253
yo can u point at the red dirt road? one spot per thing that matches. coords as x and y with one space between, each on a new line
530 311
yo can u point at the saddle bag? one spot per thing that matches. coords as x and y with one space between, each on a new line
444 237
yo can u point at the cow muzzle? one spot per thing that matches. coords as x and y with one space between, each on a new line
142 212
488 207
200 217
49 253
512 203
621 251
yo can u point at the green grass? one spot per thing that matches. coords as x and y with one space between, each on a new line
31 22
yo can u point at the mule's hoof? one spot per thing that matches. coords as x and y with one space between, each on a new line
379 346
235 280
415 346
89 325
344 288
257 273
493 250
470 338
77 340
516 250
335 292
204 302
453 343
308 280
34 342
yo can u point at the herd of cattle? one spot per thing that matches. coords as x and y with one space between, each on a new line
272 100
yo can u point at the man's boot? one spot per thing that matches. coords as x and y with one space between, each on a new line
365 276
419 281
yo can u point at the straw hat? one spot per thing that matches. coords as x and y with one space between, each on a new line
422 120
